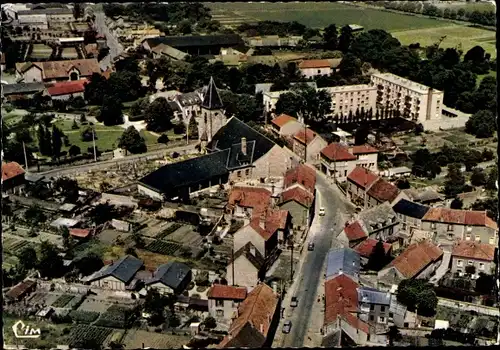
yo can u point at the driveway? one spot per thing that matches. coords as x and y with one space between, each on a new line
307 283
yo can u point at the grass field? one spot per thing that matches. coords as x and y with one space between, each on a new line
319 15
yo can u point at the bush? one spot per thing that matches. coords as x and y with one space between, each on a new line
163 139
135 118
179 129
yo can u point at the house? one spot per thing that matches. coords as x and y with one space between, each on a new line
258 318
353 233
374 306
248 201
66 89
12 178
343 136
118 275
196 44
426 196
313 68
20 290
340 320
223 302
419 260
246 268
308 145
170 278
285 125
365 249
54 71
469 253
80 233
366 188
170 52
300 204
450 225
338 160
302 176
26 90
342 261
410 216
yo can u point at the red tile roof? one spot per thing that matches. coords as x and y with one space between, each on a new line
299 195
61 69
282 119
302 174
277 219
79 232
461 217
337 152
383 191
220 291
11 170
67 87
250 197
364 149
354 231
314 64
300 136
266 232
362 177
256 311
341 297
416 257
356 322
20 289
474 250
365 248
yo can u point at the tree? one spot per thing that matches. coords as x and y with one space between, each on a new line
193 128
485 284
68 188
210 322
88 264
184 27
67 239
417 293
481 124
478 177
470 269
330 37
492 178
111 111
306 103
242 106
490 205
139 107
102 213
96 89
27 258
456 203
455 181
394 335
345 38
361 134
403 184
74 151
154 304
131 251
138 240
56 141
77 10
350 66
132 141
34 215
424 164
88 134
51 264
163 138
472 159
158 115
378 257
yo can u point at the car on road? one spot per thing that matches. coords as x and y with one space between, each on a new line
321 211
310 247
287 327
294 302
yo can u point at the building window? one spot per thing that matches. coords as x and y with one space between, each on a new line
450 235
219 303
372 317
247 172
492 240
372 307
450 228
459 263
470 262
319 71
467 237
481 266
238 173
478 238
433 225
381 319
220 313
391 314
404 226
382 308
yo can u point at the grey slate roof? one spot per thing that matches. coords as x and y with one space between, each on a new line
256 260
189 99
171 274
233 131
48 11
211 99
123 269
187 172
378 217
22 88
175 106
266 87
373 296
236 157
411 209
342 260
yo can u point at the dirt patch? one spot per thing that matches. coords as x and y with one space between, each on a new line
137 339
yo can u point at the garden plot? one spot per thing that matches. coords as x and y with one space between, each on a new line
184 235
69 53
44 298
109 237
163 247
154 227
95 305
137 339
63 300
83 333
41 51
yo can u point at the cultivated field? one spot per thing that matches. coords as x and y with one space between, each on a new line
318 15
137 339
41 51
455 36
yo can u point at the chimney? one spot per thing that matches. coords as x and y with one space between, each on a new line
262 328
262 221
244 145
252 250
350 149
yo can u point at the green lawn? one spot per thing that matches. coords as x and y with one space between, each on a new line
482 76
321 14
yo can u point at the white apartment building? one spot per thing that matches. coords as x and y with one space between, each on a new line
351 97
413 100
270 98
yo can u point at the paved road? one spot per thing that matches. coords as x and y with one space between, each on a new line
104 164
322 232
115 48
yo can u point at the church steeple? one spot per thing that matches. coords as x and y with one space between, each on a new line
211 100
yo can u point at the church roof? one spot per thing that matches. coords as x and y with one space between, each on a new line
212 100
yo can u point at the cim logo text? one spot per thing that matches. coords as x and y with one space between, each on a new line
22 330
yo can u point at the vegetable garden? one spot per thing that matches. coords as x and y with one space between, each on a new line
84 333
63 300
171 229
86 317
116 317
162 247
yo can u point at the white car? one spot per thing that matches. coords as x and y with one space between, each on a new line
321 211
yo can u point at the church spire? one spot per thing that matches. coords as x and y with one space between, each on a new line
212 100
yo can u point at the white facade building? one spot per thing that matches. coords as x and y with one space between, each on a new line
349 98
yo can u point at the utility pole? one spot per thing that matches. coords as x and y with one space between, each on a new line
291 263
93 142
25 157
232 259
305 142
